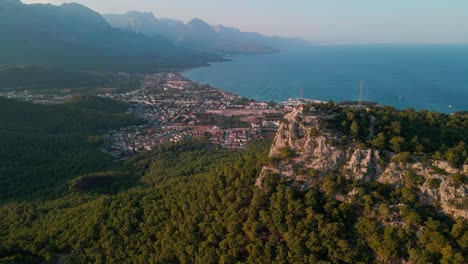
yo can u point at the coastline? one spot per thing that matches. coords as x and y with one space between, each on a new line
224 58
324 75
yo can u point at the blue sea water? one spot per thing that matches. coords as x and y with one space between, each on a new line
431 77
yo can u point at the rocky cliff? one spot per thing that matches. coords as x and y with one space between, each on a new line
306 150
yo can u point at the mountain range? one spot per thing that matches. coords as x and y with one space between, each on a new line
200 36
73 36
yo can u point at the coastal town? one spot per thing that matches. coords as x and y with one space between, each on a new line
172 109
175 108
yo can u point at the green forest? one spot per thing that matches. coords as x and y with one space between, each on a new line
422 134
44 146
38 77
55 81
192 202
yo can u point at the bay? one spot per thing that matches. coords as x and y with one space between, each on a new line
433 77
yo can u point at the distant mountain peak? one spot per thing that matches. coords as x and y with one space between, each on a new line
171 21
221 28
145 15
78 9
82 17
196 22
199 27
75 37
199 35
76 6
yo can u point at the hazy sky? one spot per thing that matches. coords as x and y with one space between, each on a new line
322 21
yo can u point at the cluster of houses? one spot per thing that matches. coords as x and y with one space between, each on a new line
124 142
35 96
166 96
171 105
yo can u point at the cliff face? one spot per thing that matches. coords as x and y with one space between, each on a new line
305 150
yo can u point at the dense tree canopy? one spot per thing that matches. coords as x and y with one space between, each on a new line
43 146
417 132
197 203
194 202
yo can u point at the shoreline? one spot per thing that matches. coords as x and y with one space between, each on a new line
225 58
381 91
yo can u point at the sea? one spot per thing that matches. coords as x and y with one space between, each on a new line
432 77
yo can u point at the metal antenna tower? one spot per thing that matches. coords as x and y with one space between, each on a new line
360 92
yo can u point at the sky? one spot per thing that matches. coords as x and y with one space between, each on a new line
319 21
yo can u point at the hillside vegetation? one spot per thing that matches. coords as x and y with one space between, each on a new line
43 77
419 133
43 146
194 202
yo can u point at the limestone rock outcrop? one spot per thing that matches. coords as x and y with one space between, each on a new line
305 150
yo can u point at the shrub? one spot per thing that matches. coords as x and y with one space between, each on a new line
457 155
379 141
313 132
309 172
286 153
397 143
413 179
433 183
459 178
403 157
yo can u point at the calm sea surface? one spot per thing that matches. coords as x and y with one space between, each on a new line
421 77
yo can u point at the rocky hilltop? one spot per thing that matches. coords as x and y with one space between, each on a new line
307 149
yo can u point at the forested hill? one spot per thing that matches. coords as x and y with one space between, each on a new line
193 202
74 37
46 77
424 151
44 146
